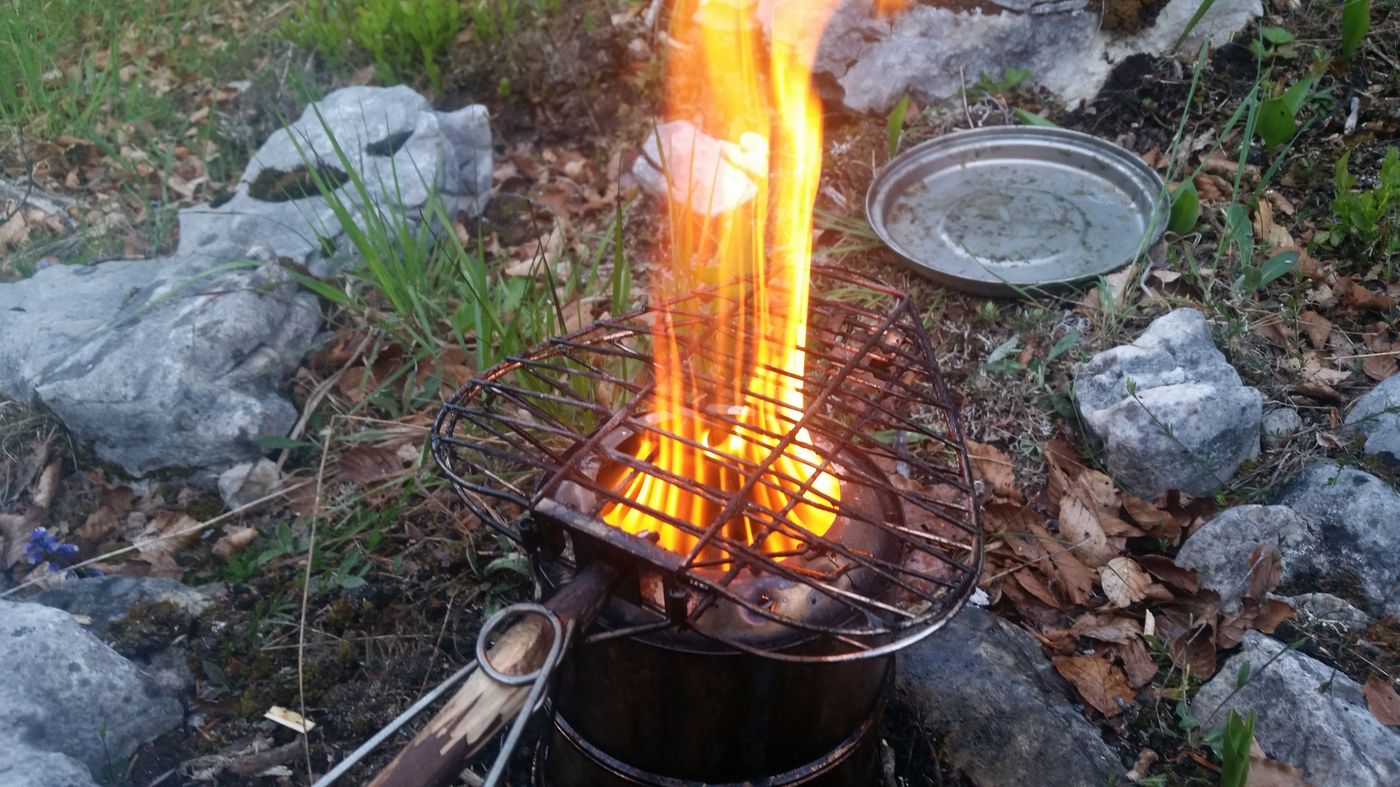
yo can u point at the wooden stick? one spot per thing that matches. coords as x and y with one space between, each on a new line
483 707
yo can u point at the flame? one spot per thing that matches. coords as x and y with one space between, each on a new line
760 98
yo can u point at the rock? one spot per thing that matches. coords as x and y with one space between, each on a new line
1357 520
1280 424
142 618
933 53
1376 416
708 174
1327 611
107 600
65 692
248 481
1309 715
22 766
1000 711
1220 549
161 363
401 149
1187 423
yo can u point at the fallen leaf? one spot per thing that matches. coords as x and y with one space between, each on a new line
1194 650
1106 628
1165 569
1101 684
1318 328
1124 582
1382 700
1137 663
1082 530
1265 571
992 465
362 464
235 540
1379 367
1264 772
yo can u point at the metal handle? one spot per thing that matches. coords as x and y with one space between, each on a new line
504 687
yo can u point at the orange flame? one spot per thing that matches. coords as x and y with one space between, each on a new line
761 99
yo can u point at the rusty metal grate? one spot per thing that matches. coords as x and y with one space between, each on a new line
524 444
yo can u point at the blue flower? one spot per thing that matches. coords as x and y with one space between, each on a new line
43 545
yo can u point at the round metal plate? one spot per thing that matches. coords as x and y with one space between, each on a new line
995 210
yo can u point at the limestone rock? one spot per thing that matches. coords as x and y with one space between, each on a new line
933 53
248 481
1309 715
1000 711
1169 410
1376 416
1325 610
109 599
159 363
67 693
711 176
1220 549
400 148
22 766
1357 520
1280 424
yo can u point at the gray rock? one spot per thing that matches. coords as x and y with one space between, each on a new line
1327 611
108 599
708 174
160 363
1357 520
1187 423
22 766
1220 549
246 482
932 53
66 692
401 149
1309 715
1280 424
1000 711
1376 416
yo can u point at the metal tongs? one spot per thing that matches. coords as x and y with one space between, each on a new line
509 680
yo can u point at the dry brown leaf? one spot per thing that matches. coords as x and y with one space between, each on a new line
1026 534
992 465
1137 663
1265 572
1379 367
1264 772
1274 330
1106 628
1124 582
1318 328
1165 569
362 464
1357 296
1030 582
1194 650
1382 700
1101 684
42 493
1080 527
234 540
163 537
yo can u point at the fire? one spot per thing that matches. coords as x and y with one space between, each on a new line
757 94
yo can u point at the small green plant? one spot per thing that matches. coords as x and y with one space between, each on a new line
1274 42
1278 116
894 126
1356 22
1368 222
1231 742
1186 208
399 36
986 85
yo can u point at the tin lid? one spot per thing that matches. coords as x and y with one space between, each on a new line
999 209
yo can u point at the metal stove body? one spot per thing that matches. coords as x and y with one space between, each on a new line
729 665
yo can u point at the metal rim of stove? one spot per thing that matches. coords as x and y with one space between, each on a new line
495 419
